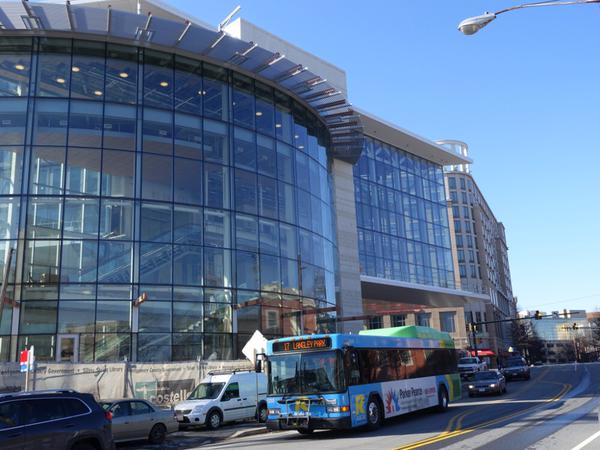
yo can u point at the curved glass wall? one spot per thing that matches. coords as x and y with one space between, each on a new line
127 171
402 217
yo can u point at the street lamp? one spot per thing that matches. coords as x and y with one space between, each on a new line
473 24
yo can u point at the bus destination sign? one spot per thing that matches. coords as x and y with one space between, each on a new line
301 345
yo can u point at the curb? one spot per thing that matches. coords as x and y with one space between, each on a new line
246 433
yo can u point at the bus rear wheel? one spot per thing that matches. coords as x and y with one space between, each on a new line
374 413
443 399
305 430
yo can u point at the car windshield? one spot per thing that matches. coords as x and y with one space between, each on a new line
484 376
305 373
467 361
206 391
515 362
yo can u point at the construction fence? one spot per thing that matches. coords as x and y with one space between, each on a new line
164 384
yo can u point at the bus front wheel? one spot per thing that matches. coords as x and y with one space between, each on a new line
442 399
305 430
374 413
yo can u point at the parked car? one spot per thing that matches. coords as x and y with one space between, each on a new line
487 382
136 419
470 365
223 398
516 367
61 419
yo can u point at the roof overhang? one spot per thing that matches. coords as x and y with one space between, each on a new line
169 30
399 137
418 294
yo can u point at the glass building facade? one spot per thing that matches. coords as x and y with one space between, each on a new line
126 171
402 217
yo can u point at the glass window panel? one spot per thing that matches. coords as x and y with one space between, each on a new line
15 64
302 172
216 186
269 236
246 232
188 136
44 217
83 171
76 316
116 219
245 191
81 218
287 207
154 347
121 74
158 131
215 142
45 291
155 263
187 317
187 347
244 149
156 222
44 346
217 267
188 181
218 347
54 68
289 276
217 228
155 317
188 294
285 163
77 291
158 79
188 85
267 197
283 118
79 261
11 165
217 295
114 292
114 262
187 265
119 126
243 101
217 318
265 117
87 71
118 172
215 90
112 347
9 217
187 225
270 277
13 118
50 122
288 240
47 170
157 177
38 317
267 158
85 124
247 270
248 318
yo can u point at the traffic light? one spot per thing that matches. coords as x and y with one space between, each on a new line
537 315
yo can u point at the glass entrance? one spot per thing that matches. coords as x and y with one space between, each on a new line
68 348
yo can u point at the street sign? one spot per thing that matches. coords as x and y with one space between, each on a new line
24 360
256 344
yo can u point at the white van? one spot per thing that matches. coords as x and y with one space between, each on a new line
225 397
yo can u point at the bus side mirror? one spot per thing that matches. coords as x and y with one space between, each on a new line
258 366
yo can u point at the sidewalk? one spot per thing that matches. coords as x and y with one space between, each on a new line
195 437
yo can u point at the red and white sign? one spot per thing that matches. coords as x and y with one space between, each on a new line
24 360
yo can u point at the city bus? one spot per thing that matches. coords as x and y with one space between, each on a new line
341 381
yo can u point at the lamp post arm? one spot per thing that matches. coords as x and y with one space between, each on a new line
548 3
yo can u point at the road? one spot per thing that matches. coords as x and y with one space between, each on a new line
556 409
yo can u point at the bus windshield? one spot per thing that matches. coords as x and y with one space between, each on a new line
306 373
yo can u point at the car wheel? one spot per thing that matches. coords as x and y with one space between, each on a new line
263 413
442 399
374 417
305 430
158 434
213 420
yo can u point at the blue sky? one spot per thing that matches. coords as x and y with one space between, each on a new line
523 93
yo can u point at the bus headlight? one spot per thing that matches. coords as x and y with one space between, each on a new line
338 409
274 411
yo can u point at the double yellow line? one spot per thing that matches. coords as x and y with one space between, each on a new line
447 434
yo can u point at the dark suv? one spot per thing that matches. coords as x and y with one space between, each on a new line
57 420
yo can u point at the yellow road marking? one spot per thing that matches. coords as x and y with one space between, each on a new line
450 434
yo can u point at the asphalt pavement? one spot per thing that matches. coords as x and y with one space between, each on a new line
556 409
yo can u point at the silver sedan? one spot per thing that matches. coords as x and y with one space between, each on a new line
135 419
